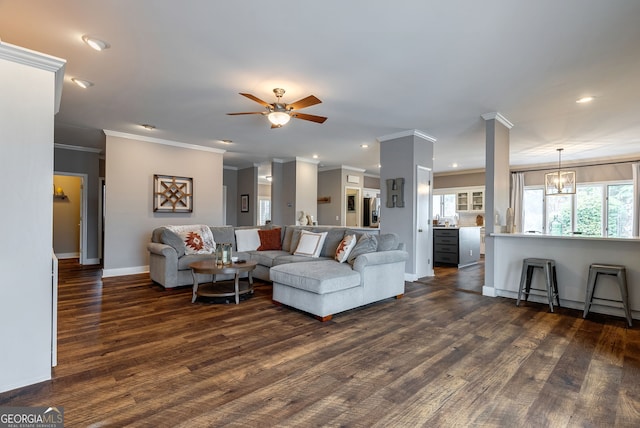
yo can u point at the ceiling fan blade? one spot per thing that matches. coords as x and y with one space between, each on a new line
305 102
311 117
246 112
256 99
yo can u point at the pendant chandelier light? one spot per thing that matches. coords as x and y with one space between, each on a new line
560 182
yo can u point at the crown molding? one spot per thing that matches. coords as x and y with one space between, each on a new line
313 161
500 118
160 141
352 168
76 148
232 168
39 60
408 133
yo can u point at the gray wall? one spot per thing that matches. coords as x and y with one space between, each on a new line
130 167
230 179
586 174
399 158
248 185
288 189
470 179
330 185
371 182
83 162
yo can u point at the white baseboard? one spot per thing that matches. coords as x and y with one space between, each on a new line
107 273
24 382
68 255
410 277
489 291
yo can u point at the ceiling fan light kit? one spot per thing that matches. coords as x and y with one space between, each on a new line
279 118
279 113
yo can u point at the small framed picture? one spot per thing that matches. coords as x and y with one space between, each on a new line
351 203
244 203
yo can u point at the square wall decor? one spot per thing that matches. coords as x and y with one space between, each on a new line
172 194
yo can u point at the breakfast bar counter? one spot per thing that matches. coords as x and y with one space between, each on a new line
573 255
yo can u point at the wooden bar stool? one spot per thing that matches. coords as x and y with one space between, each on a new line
548 267
620 272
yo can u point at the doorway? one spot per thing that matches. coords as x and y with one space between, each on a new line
424 231
69 212
352 207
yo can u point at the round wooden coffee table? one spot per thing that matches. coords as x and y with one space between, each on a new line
223 288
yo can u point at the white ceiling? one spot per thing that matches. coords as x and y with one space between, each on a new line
380 67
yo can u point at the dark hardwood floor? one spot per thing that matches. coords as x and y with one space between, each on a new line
133 354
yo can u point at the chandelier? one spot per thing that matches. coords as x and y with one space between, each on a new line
560 182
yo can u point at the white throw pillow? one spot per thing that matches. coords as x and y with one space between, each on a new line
247 239
345 247
310 244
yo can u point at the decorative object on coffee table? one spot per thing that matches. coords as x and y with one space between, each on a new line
223 288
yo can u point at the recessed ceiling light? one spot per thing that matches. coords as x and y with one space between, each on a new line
269 178
84 84
148 127
315 156
226 141
584 100
364 146
379 166
94 43
454 165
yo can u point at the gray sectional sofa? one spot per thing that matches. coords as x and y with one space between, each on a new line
320 286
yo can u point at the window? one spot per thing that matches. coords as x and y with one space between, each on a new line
264 213
589 204
444 205
533 208
619 210
597 209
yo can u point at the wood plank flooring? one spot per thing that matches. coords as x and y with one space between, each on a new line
133 354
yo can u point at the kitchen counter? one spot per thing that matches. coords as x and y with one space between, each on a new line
573 255
456 245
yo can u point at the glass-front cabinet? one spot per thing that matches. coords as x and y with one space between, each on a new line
477 200
470 200
462 201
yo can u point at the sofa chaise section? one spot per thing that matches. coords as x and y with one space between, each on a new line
324 288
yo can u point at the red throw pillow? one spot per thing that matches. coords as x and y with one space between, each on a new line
269 239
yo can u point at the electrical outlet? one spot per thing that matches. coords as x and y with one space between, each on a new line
471 252
337 218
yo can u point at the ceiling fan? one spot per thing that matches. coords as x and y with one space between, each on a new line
280 113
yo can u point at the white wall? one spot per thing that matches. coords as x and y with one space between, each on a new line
307 188
131 162
30 84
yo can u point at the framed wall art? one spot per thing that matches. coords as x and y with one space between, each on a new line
351 203
172 194
244 203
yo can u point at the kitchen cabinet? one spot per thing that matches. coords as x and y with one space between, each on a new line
470 201
456 245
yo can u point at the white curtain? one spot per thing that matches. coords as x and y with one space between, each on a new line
635 167
517 196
